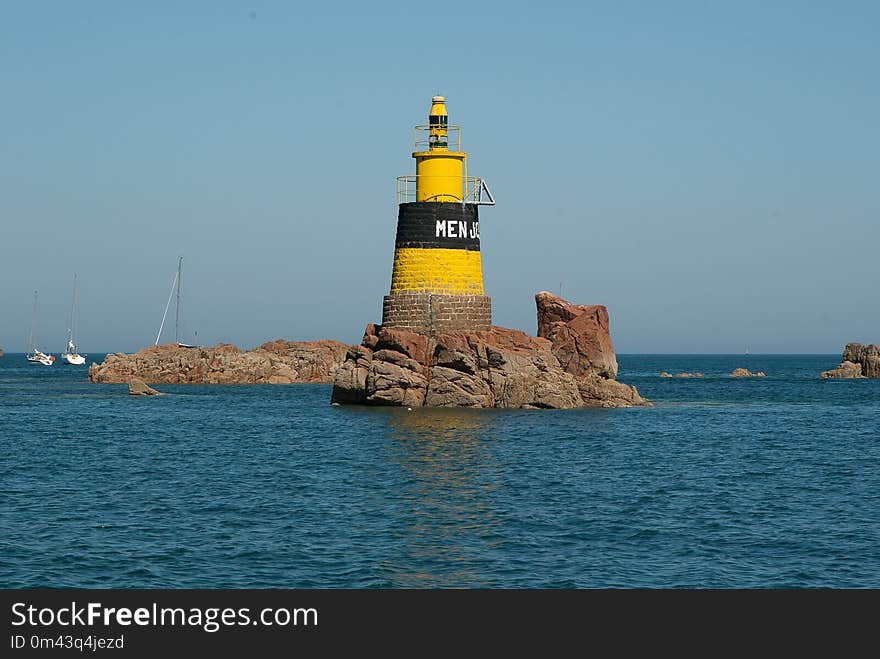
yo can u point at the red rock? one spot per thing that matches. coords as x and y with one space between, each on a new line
499 367
371 337
414 345
579 333
274 362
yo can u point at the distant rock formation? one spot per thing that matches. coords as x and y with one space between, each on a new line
138 387
859 360
746 373
847 369
276 362
868 356
571 363
1 352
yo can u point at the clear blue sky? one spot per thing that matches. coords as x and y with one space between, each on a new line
708 171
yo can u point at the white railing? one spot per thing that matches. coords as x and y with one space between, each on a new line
474 190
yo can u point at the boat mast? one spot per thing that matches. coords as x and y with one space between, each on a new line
177 312
33 320
70 330
167 304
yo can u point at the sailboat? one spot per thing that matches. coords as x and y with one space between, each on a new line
36 356
70 354
175 285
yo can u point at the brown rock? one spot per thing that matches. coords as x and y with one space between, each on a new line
390 384
138 387
500 367
458 360
350 383
274 362
371 336
416 346
529 379
580 335
847 369
601 392
454 388
553 390
746 373
868 356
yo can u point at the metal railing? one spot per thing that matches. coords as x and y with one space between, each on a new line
474 190
453 138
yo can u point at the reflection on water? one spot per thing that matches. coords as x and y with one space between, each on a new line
449 475
725 484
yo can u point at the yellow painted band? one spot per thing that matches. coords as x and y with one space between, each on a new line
444 271
439 175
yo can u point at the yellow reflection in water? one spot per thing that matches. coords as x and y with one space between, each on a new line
449 473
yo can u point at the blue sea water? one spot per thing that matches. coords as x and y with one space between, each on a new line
725 483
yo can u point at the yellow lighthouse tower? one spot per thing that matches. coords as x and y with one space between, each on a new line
437 279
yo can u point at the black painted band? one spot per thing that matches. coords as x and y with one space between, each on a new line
438 225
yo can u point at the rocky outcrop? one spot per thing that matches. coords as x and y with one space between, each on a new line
579 335
1 352
571 366
868 356
746 373
138 387
859 360
276 362
847 369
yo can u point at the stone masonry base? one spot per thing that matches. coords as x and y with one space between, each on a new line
429 313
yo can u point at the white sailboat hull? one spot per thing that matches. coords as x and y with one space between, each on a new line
70 354
38 357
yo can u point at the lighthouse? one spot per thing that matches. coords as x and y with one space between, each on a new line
437 277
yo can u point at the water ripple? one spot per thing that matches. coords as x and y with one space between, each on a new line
726 483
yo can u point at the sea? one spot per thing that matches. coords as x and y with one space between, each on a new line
724 483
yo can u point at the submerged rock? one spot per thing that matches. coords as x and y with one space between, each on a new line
847 369
746 373
138 387
275 362
570 364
